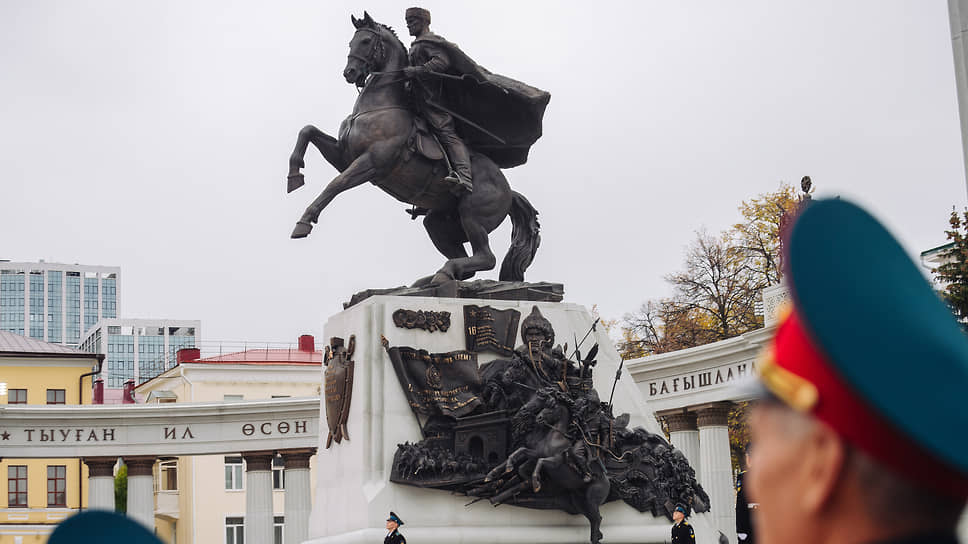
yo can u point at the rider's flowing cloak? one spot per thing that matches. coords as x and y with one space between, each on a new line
506 107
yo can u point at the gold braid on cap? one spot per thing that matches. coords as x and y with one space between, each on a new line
797 392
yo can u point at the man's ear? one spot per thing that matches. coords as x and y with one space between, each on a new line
824 460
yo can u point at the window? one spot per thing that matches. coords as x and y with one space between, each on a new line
168 475
57 485
233 473
17 396
234 530
55 396
278 473
17 486
278 522
232 398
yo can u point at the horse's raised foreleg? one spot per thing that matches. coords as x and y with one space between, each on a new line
359 172
509 464
554 461
327 146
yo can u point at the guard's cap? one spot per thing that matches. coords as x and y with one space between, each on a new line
99 526
395 518
870 349
682 508
418 12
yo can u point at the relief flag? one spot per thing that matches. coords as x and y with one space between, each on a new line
437 383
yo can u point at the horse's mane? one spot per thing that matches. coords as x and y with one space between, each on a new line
375 25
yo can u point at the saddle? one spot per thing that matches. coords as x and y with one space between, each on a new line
422 140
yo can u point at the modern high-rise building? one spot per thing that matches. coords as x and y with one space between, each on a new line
137 349
56 302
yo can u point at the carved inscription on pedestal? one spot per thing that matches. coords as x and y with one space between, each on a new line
487 328
338 379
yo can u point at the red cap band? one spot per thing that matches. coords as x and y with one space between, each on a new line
837 405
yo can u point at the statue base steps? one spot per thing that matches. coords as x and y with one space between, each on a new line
353 494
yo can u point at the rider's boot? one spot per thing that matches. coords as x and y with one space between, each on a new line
580 465
460 164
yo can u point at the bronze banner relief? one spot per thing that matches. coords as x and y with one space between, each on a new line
490 329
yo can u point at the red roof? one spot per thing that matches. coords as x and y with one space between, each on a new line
265 357
13 343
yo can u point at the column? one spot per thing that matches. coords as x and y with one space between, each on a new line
258 496
958 18
141 495
684 435
100 482
298 497
715 466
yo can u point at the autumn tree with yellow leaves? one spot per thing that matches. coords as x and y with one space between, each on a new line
716 293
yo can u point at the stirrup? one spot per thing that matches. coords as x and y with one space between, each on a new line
459 181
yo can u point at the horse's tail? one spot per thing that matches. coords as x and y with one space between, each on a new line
525 238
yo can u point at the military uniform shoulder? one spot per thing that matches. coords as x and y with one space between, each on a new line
685 523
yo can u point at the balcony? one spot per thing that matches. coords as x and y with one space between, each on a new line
166 505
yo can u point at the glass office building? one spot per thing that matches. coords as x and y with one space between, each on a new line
138 349
56 302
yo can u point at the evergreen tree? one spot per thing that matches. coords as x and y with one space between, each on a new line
953 273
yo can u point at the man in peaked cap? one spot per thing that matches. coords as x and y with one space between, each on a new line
393 534
861 432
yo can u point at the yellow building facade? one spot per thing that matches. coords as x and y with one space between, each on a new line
41 492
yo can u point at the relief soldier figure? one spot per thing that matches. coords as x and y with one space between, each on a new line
549 363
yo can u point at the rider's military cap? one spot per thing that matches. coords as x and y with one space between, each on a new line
869 349
395 518
100 526
418 12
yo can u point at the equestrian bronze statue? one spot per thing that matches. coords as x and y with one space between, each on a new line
434 134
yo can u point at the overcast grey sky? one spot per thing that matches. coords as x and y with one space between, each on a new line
155 136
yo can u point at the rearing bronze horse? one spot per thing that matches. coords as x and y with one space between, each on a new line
374 146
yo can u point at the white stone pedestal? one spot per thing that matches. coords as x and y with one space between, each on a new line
353 491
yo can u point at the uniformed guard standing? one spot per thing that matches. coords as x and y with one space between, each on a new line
681 530
393 534
744 508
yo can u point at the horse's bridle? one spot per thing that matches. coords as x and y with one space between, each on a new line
376 54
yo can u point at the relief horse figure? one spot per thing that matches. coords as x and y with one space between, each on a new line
546 461
376 145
